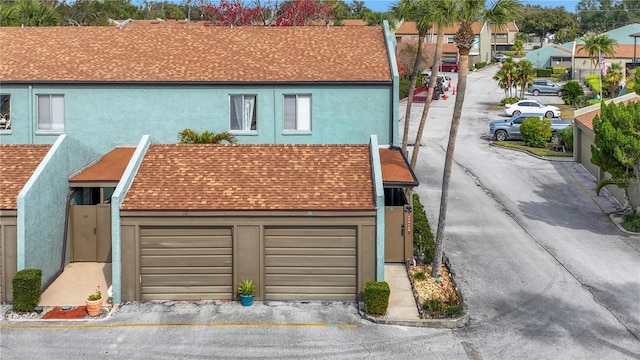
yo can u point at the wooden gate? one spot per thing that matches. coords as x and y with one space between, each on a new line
91 233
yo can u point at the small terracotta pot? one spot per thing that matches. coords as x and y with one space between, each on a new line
94 307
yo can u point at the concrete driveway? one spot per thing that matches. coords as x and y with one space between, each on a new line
544 271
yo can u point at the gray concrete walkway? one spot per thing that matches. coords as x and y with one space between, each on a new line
402 304
77 281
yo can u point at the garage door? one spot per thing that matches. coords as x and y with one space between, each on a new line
310 263
186 263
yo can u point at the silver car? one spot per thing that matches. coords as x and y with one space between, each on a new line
542 86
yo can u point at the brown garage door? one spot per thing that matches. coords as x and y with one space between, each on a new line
316 263
186 263
585 154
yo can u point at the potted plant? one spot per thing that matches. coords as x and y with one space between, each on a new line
246 290
94 302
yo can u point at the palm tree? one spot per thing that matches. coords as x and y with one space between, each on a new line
188 136
594 45
410 10
439 12
613 78
468 12
36 13
506 76
524 75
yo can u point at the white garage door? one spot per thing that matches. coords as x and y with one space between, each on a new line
186 263
317 263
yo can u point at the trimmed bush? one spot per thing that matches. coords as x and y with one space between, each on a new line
593 82
26 289
509 100
423 237
566 138
480 65
452 311
544 72
376 297
420 276
433 306
558 70
535 132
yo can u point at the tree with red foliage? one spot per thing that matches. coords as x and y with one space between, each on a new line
235 13
304 12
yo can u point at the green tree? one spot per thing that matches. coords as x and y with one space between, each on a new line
534 132
188 136
439 13
466 14
34 13
566 34
634 81
613 79
571 93
596 44
616 145
542 21
518 46
524 75
506 76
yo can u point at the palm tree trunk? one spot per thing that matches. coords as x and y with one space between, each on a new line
412 89
427 104
448 164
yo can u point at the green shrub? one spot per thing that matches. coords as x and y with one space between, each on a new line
566 138
631 222
593 82
534 132
404 88
544 72
452 311
558 70
26 289
592 102
480 65
510 53
571 93
433 306
376 297
423 237
509 100
420 276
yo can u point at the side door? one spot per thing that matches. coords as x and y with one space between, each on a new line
515 127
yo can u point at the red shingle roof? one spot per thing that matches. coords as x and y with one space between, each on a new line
622 51
202 54
110 167
17 164
395 168
586 118
253 177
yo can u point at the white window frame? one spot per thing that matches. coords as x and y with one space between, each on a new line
50 108
298 120
5 113
249 121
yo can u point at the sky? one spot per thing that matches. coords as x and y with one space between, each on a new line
569 5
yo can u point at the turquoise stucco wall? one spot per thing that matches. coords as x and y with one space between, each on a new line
116 201
41 207
376 168
103 116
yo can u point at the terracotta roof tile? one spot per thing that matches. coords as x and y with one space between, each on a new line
17 164
203 54
395 168
622 51
586 118
253 177
109 168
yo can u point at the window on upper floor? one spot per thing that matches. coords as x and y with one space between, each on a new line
450 39
5 112
242 113
50 112
297 112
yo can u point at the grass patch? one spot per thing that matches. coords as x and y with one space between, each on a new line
631 222
532 150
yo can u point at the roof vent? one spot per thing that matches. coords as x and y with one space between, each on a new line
122 24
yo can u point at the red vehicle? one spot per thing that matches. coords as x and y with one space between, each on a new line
449 66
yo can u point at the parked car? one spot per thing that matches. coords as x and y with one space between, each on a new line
508 129
445 80
499 57
531 107
542 86
449 66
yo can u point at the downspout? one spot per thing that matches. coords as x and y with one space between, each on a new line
31 105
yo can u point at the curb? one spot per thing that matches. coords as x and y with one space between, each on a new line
616 219
547 158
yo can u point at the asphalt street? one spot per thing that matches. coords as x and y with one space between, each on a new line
544 273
